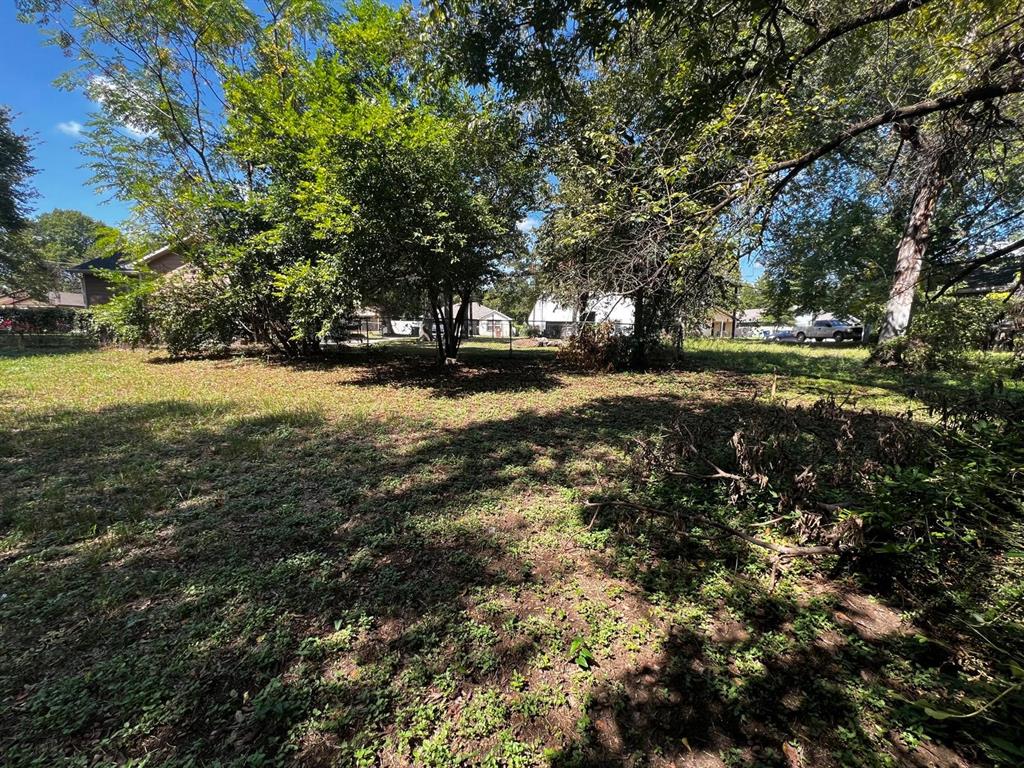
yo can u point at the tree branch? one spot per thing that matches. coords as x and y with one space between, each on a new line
981 261
781 549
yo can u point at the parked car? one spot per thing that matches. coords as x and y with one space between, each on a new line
784 337
839 330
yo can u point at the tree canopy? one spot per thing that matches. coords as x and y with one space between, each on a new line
323 158
16 194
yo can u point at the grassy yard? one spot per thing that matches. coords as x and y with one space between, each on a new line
235 562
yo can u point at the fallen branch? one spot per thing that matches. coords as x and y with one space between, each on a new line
782 549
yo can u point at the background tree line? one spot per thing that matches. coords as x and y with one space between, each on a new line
311 158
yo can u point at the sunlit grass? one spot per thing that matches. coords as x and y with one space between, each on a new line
363 560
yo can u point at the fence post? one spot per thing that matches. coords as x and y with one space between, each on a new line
366 336
510 338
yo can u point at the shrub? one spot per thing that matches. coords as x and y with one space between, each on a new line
907 354
931 511
188 313
595 348
127 317
941 334
44 320
192 315
1014 330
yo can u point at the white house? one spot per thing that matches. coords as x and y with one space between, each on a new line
484 321
753 323
553 320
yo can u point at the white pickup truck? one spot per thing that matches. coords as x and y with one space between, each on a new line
839 330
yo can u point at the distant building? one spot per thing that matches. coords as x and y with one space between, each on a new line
97 287
1001 276
479 321
484 321
554 320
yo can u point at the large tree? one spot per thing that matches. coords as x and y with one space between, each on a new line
66 237
17 259
735 103
394 180
308 160
62 238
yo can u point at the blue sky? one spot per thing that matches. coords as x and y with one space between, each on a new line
50 115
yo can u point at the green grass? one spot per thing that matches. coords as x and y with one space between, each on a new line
234 562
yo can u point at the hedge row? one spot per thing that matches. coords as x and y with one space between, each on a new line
39 320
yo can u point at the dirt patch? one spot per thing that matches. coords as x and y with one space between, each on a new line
928 754
871 620
725 630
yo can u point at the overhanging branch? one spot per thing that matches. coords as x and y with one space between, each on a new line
981 261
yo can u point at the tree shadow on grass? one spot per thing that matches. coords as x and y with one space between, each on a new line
185 580
477 372
30 350
191 583
475 376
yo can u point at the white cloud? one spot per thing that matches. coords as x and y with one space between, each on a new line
119 101
529 223
70 128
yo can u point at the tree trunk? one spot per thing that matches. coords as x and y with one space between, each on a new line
912 248
638 358
448 325
438 335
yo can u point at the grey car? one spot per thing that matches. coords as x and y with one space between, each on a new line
839 330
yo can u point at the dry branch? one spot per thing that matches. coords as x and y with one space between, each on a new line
782 549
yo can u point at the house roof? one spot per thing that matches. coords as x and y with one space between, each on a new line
115 261
478 311
1001 275
750 315
157 254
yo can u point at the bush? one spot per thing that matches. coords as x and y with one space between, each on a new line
929 511
127 317
940 336
188 313
44 320
595 348
192 315
905 353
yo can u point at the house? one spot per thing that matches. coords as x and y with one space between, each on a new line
97 287
721 324
551 319
809 318
755 324
373 320
480 320
484 321
1001 276
163 260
